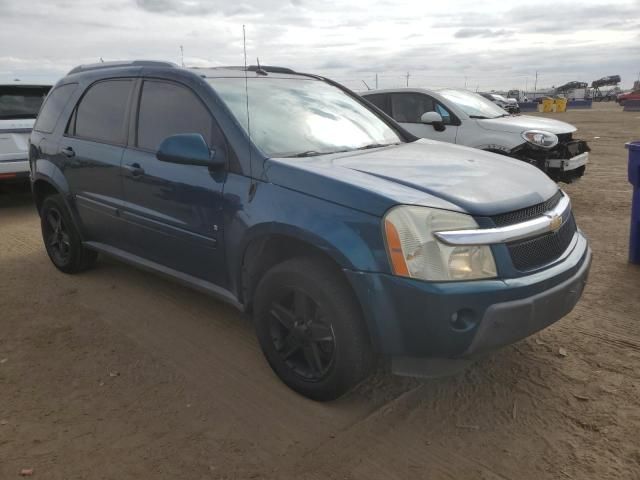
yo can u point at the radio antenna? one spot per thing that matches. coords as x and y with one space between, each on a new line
246 91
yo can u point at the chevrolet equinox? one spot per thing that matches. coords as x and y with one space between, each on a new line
346 238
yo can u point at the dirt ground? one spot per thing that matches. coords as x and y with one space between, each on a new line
118 374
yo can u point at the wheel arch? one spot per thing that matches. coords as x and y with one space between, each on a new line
266 251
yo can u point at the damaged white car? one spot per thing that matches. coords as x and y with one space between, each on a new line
466 118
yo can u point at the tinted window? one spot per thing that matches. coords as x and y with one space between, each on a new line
101 113
167 109
409 107
380 101
53 106
21 101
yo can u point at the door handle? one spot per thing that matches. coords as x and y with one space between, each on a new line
135 169
68 152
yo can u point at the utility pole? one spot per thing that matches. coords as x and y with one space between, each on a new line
465 82
408 79
182 55
376 81
535 87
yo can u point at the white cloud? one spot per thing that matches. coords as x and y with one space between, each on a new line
495 44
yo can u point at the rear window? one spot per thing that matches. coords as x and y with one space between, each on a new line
101 113
17 101
53 107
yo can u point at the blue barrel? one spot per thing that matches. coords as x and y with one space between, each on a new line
634 178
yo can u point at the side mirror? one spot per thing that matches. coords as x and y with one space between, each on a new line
434 119
189 149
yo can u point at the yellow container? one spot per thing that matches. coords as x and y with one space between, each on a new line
547 105
561 104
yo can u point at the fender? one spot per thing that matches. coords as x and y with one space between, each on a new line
352 238
47 171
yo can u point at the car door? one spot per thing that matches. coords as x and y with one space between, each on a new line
408 107
174 210
92 149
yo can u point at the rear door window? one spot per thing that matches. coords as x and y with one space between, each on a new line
380 100
53 106
102 112
169 109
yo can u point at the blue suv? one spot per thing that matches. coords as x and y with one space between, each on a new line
344 237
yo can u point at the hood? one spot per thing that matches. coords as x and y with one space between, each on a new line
520 123
424 172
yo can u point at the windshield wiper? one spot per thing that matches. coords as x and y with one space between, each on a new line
376 145
308 153
314 153
479 117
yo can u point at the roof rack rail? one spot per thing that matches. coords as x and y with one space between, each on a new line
132 63
270 69
250 68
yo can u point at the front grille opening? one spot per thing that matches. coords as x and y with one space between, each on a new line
536 252
564 137
528 213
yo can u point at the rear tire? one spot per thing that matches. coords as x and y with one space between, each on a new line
311 330
61 238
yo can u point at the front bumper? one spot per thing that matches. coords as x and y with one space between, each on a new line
14 170
568 164
428 327
565 162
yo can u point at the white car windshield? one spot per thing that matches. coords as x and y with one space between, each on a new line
302 117
474 105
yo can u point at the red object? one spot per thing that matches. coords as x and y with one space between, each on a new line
7 175
629 96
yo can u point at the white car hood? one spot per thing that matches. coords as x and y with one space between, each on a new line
520 123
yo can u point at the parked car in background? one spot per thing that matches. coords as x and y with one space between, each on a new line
466 118
344 236
19 106
623 97
508 104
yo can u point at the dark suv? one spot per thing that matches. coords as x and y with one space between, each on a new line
345 238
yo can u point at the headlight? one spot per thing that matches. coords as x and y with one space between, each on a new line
415 252
540 138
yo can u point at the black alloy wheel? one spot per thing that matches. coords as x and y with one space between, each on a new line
311 328
302 335
56 237
61 238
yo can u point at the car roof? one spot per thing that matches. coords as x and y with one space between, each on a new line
128 67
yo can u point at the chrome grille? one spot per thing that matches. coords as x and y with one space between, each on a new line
524 214
535 252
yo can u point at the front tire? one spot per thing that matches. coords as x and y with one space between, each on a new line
61 238
311 329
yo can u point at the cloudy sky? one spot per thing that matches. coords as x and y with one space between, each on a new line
484 44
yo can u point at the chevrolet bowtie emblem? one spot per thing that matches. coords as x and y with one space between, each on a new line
555 222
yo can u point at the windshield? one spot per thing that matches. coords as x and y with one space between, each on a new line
302 117
21 102
474 105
